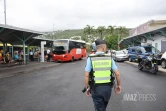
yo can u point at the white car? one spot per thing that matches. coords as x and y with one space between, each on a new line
163 61
119 56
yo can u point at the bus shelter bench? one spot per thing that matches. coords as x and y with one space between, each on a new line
19 62
13 63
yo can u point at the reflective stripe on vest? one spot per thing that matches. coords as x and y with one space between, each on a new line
102 78
101 67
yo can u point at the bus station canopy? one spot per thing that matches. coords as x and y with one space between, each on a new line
136 39
36 41
15 35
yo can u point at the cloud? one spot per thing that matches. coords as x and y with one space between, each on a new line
42 15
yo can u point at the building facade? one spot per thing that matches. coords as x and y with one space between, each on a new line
152 33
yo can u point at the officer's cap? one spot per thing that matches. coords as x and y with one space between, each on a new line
99 42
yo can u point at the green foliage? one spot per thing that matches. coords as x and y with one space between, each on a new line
101 31
66 34
111 30
122 31
112 42
88 30
112 34
88 49
89 33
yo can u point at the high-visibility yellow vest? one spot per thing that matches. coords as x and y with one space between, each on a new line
101 66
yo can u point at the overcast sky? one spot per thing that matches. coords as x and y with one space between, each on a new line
42 15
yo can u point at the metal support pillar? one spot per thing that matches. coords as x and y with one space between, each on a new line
137 40
12 51
1 30
149 37
163 33
24 56
28 53
133 44
17 37
128 42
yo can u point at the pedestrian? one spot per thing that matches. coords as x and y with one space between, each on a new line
31 55
99 76
48 54
7 59
22 54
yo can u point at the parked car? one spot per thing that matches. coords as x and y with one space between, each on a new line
141 51
163 61
109 51
119 56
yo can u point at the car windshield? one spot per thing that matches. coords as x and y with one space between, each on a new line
150 49
119 52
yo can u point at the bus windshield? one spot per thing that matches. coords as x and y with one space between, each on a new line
60 46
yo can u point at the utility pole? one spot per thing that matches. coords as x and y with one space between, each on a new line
5 10
118 42
53 27
53 32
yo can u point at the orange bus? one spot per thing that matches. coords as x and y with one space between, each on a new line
68 50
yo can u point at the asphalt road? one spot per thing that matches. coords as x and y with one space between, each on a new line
59 89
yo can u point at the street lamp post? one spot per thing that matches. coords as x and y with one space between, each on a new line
118 41
5 10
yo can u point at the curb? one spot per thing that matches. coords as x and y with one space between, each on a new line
132 63
27 71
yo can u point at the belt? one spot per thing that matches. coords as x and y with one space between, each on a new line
104 84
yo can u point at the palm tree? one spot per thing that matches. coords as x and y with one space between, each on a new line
110 30
122 31
101 30
88 30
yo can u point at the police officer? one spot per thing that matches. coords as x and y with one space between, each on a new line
99 68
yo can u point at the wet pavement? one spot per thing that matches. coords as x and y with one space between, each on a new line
59 89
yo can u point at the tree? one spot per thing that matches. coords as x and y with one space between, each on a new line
101 30
88 30
122 31
84 38
110 30
112 41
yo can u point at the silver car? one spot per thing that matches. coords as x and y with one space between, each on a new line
119 56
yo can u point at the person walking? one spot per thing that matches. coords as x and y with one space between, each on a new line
45 54
48 54
31 55
99 78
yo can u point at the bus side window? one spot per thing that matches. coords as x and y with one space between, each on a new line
83 45
71 45
77 45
